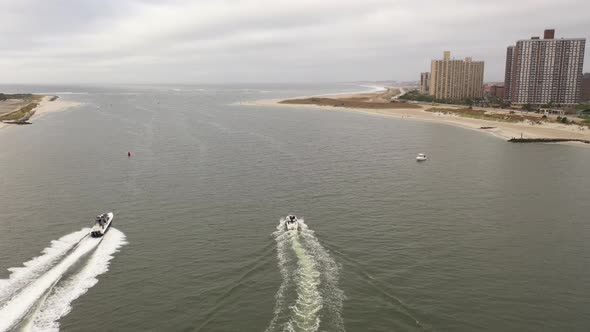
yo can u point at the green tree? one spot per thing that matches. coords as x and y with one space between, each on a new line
528 107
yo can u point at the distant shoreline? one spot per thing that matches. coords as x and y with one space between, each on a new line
440 114
45 105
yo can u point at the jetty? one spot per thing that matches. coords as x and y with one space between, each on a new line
547 140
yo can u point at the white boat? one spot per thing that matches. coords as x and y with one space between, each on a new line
421 157
102 224
292 223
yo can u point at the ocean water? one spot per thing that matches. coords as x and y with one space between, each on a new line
484 236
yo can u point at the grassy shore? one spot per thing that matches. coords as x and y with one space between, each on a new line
371 100
348 103
23 113
20 111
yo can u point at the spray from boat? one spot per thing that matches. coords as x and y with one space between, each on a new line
59 302
22 276
31 290
309 297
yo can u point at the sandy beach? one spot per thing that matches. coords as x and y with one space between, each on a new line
46 106
501 129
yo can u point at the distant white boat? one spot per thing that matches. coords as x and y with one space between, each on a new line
421 157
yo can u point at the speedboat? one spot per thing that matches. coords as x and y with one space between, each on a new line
421 157
292 223
102 224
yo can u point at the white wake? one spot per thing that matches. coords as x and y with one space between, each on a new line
309 295
58 304
36 287
22 276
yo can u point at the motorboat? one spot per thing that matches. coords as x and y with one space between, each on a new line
421 157
292 223
102 224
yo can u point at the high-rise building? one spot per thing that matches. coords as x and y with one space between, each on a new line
544 71
424 82
586 87
497 91
508 73
456 79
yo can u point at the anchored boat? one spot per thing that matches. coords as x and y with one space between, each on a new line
292 223
421 157
102 224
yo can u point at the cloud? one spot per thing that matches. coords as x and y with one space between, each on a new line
140 41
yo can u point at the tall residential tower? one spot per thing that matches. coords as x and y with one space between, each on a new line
585 87
544 71
424 82
456 79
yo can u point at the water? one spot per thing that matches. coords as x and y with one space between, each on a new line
485 235
309 293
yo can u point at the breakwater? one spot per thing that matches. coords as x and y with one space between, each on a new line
547 140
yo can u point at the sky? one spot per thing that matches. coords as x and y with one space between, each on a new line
265 41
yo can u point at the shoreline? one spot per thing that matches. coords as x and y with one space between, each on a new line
46 106
499 129
58 105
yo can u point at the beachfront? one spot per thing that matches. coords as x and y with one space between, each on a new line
447 114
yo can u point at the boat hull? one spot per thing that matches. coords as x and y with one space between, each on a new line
292 226
291 223
99 231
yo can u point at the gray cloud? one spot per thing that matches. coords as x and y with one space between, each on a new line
138 41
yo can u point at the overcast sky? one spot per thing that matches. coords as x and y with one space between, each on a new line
198 41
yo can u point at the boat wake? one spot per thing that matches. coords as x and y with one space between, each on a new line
21 276
309 296
35 297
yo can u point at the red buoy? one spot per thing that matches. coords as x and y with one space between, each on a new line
128 154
